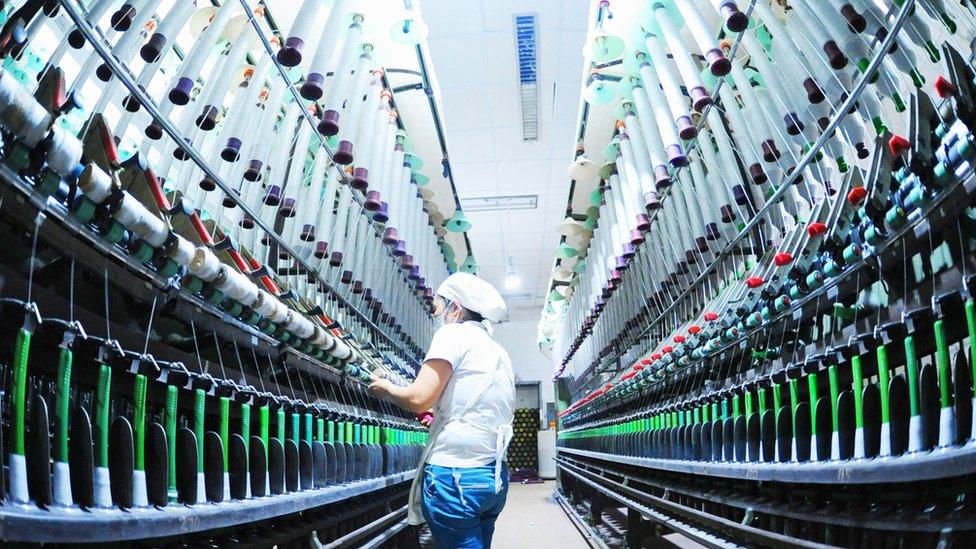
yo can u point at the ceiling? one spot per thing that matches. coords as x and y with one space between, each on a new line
472 47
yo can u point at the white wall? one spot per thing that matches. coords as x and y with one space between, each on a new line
518 337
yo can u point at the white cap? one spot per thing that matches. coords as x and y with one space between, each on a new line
474 294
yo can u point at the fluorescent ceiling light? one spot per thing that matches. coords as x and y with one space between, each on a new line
500 203
526 48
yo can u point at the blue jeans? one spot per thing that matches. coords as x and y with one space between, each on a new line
460 504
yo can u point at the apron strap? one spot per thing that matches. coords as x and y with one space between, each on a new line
414 515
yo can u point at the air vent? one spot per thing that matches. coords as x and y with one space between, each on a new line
500 203
526 47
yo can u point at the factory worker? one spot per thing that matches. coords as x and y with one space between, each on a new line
467 378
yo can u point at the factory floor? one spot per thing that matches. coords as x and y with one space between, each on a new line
532 520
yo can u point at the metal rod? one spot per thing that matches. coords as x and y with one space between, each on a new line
126 78
805 160
343 176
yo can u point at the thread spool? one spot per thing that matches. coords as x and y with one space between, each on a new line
135 217
64 155
279 311
236 286
264 305
299 325
204 264
20 113
95 183
182 251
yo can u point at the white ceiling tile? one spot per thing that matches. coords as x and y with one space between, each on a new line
503 64
510 146
525 260
562 103
564 142
521 242
522 176
560 187
470 145
524 221
576 15
475 178
505 104
490 259
571 67
490 245
447 17
554 217
467 108
486 223
550 57
551 203
490 270
454 56
498 14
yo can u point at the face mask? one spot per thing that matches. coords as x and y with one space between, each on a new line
440 320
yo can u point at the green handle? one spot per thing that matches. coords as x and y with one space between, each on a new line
911 367
349 438
295 426
341 433
794 399
139 422
281 425
332 432
812 386
735 406
748 405
308 428
834 397
858 379
320 429
883 380
225 429
942 361
102 397
357 436
199 410
246 426
971 327
61 401
19 389
172 397
264 420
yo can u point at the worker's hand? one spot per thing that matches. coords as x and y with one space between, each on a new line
426 418
379 385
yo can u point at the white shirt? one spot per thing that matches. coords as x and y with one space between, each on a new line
474 357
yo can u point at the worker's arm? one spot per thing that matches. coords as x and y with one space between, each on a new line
420 395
